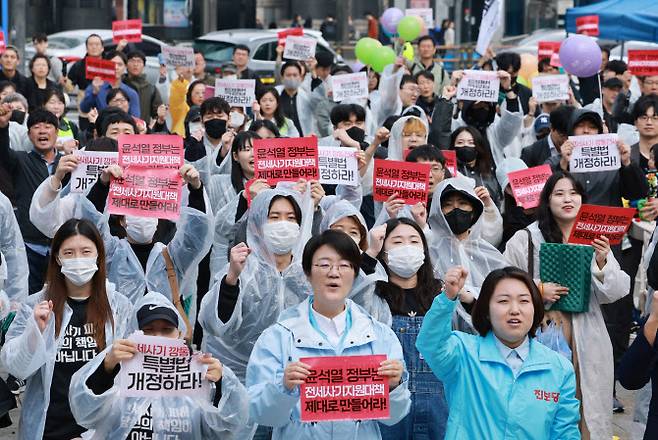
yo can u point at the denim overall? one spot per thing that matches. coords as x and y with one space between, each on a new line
428 415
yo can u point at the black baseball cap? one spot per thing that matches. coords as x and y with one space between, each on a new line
152 312
613 83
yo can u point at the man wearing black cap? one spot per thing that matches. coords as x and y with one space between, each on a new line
609 90
149 97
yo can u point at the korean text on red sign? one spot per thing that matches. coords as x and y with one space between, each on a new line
103 69
344 388
643 62
478 85
129 30
588 25
593 221
237 92
299 48
349 86
597 152
338 166
90 165
409 180
281 35
546 88
527 184
286 159
162 367
546 49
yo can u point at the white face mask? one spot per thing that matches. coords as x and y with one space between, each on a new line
79 270
195 126
405 260
281 236
141 229
236 119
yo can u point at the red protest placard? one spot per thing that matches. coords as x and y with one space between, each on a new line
344 388
3 43
643 62
546 49
151 150
588 25
451 161
286 159
527 184
103 69
409 180
146 192
281 35
129 30
593 221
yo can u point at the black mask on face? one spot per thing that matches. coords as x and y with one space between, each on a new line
356 134
215 128
459 220
466 154
17 116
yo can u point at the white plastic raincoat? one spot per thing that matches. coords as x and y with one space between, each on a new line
13 252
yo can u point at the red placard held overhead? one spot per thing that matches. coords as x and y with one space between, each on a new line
594 221
286 159
643 62
281 35
588 25
129 30
451 161
344 388
3 43
546 49
527 184
408 179
103 69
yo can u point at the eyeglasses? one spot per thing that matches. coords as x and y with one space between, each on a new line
646 118
650 83
343 268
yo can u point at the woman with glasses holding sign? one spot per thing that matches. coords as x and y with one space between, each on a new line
325 324
60 329
585 333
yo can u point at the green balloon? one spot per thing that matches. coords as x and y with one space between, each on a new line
383 57
365 49
409 28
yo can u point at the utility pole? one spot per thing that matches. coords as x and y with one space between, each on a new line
18 21
343 11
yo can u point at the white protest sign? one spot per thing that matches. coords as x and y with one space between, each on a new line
237 92
338 166
479 85
299 48
349 86
547 88
178 56
162 367
425 13
592 153
90 165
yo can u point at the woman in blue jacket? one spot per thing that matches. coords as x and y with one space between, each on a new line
513 386
325 324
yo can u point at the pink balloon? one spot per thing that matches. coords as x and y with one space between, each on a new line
390 19
580 55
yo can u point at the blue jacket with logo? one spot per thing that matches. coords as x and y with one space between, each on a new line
484 398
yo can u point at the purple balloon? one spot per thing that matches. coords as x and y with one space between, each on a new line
390 19
580 55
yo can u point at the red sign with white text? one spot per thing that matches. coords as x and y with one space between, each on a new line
593 221
103 69
527 184
451 161
344 388
588 25
286 159
546 49
643 62
129 30
151 150
409 180
298 32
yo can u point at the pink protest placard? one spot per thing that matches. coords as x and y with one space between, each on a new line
151 150
527 184
129 30
410 180
103 69
147 192
286 159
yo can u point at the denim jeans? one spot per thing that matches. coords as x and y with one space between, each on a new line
428 415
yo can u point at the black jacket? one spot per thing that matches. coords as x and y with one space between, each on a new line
440 128
77 74
536 154
19 80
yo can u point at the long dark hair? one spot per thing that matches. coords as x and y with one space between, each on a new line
98 310
237 176
547 224
427 287
263 123
484 162
278 113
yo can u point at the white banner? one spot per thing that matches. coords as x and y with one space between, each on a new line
491 20
178 56
237 92
547 88
349 86
299 48
479 85
162 367
425 13
90 165
593 153
338 166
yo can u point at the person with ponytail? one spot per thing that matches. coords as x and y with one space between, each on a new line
59 329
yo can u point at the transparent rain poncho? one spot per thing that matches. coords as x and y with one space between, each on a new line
14 268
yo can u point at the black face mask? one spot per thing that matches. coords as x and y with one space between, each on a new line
18 116
466 154
356 134
459 220
215 128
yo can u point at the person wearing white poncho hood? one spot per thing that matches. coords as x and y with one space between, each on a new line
14 259
97 405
